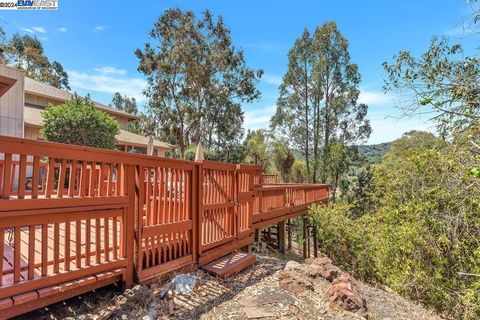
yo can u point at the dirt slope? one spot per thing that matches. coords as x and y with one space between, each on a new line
252 294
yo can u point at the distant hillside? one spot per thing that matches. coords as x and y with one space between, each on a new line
374 152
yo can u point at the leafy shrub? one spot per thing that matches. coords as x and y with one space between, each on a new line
79 122
425 234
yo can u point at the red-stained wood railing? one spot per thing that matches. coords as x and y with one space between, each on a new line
217 216
283 200
71 213
63 215
269 178
165 237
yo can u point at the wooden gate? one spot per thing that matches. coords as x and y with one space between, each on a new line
217 223
165 237
246 195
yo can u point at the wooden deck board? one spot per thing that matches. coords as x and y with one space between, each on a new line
230 264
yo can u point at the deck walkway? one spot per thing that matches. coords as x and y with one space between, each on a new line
75 218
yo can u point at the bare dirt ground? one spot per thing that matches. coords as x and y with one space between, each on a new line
251 294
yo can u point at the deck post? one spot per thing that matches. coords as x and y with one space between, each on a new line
129 225
315 242
195 212
281 236
309 230
289 234
304 237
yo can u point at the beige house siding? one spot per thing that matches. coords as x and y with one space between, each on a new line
40 101
32 133
11 104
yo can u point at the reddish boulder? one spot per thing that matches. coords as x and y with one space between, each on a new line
345 293
294 282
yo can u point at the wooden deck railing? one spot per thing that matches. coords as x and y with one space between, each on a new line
74 217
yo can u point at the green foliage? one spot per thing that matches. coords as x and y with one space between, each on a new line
256 147
79 122
129 105
26 53
299 171
283 159
424 232
374 153
197 81
360 193
443 80
318 105
208 154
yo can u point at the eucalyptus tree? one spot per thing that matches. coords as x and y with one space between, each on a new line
441 82
191 65
318 99
26 53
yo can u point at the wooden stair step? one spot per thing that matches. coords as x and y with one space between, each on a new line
230 264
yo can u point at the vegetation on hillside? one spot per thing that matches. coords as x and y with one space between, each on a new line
412 221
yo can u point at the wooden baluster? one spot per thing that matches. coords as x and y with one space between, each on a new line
2 237
78 243
44 250
61 178
16 254
35 176
91 187
106 236
83 180
7 175
97 241
56 247
115 238
21 176
66 256
88 236
73 175
164 194
50 178
100 182
110 180
31 251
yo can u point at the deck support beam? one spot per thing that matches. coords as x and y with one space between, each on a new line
281 237
305 236
315 242
289 234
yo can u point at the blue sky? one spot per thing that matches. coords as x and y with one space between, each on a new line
95 41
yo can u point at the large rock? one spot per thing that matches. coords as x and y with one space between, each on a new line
294 282
321 260
328 271
293 265
345 293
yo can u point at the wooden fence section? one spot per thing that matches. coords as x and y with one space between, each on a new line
165 233
75 218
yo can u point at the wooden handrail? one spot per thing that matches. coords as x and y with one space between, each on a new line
91 209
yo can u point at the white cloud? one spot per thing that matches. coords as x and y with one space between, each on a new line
259 117
39 29
110 70
100 28
62 29
35 29
272 79
374 97
105 82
